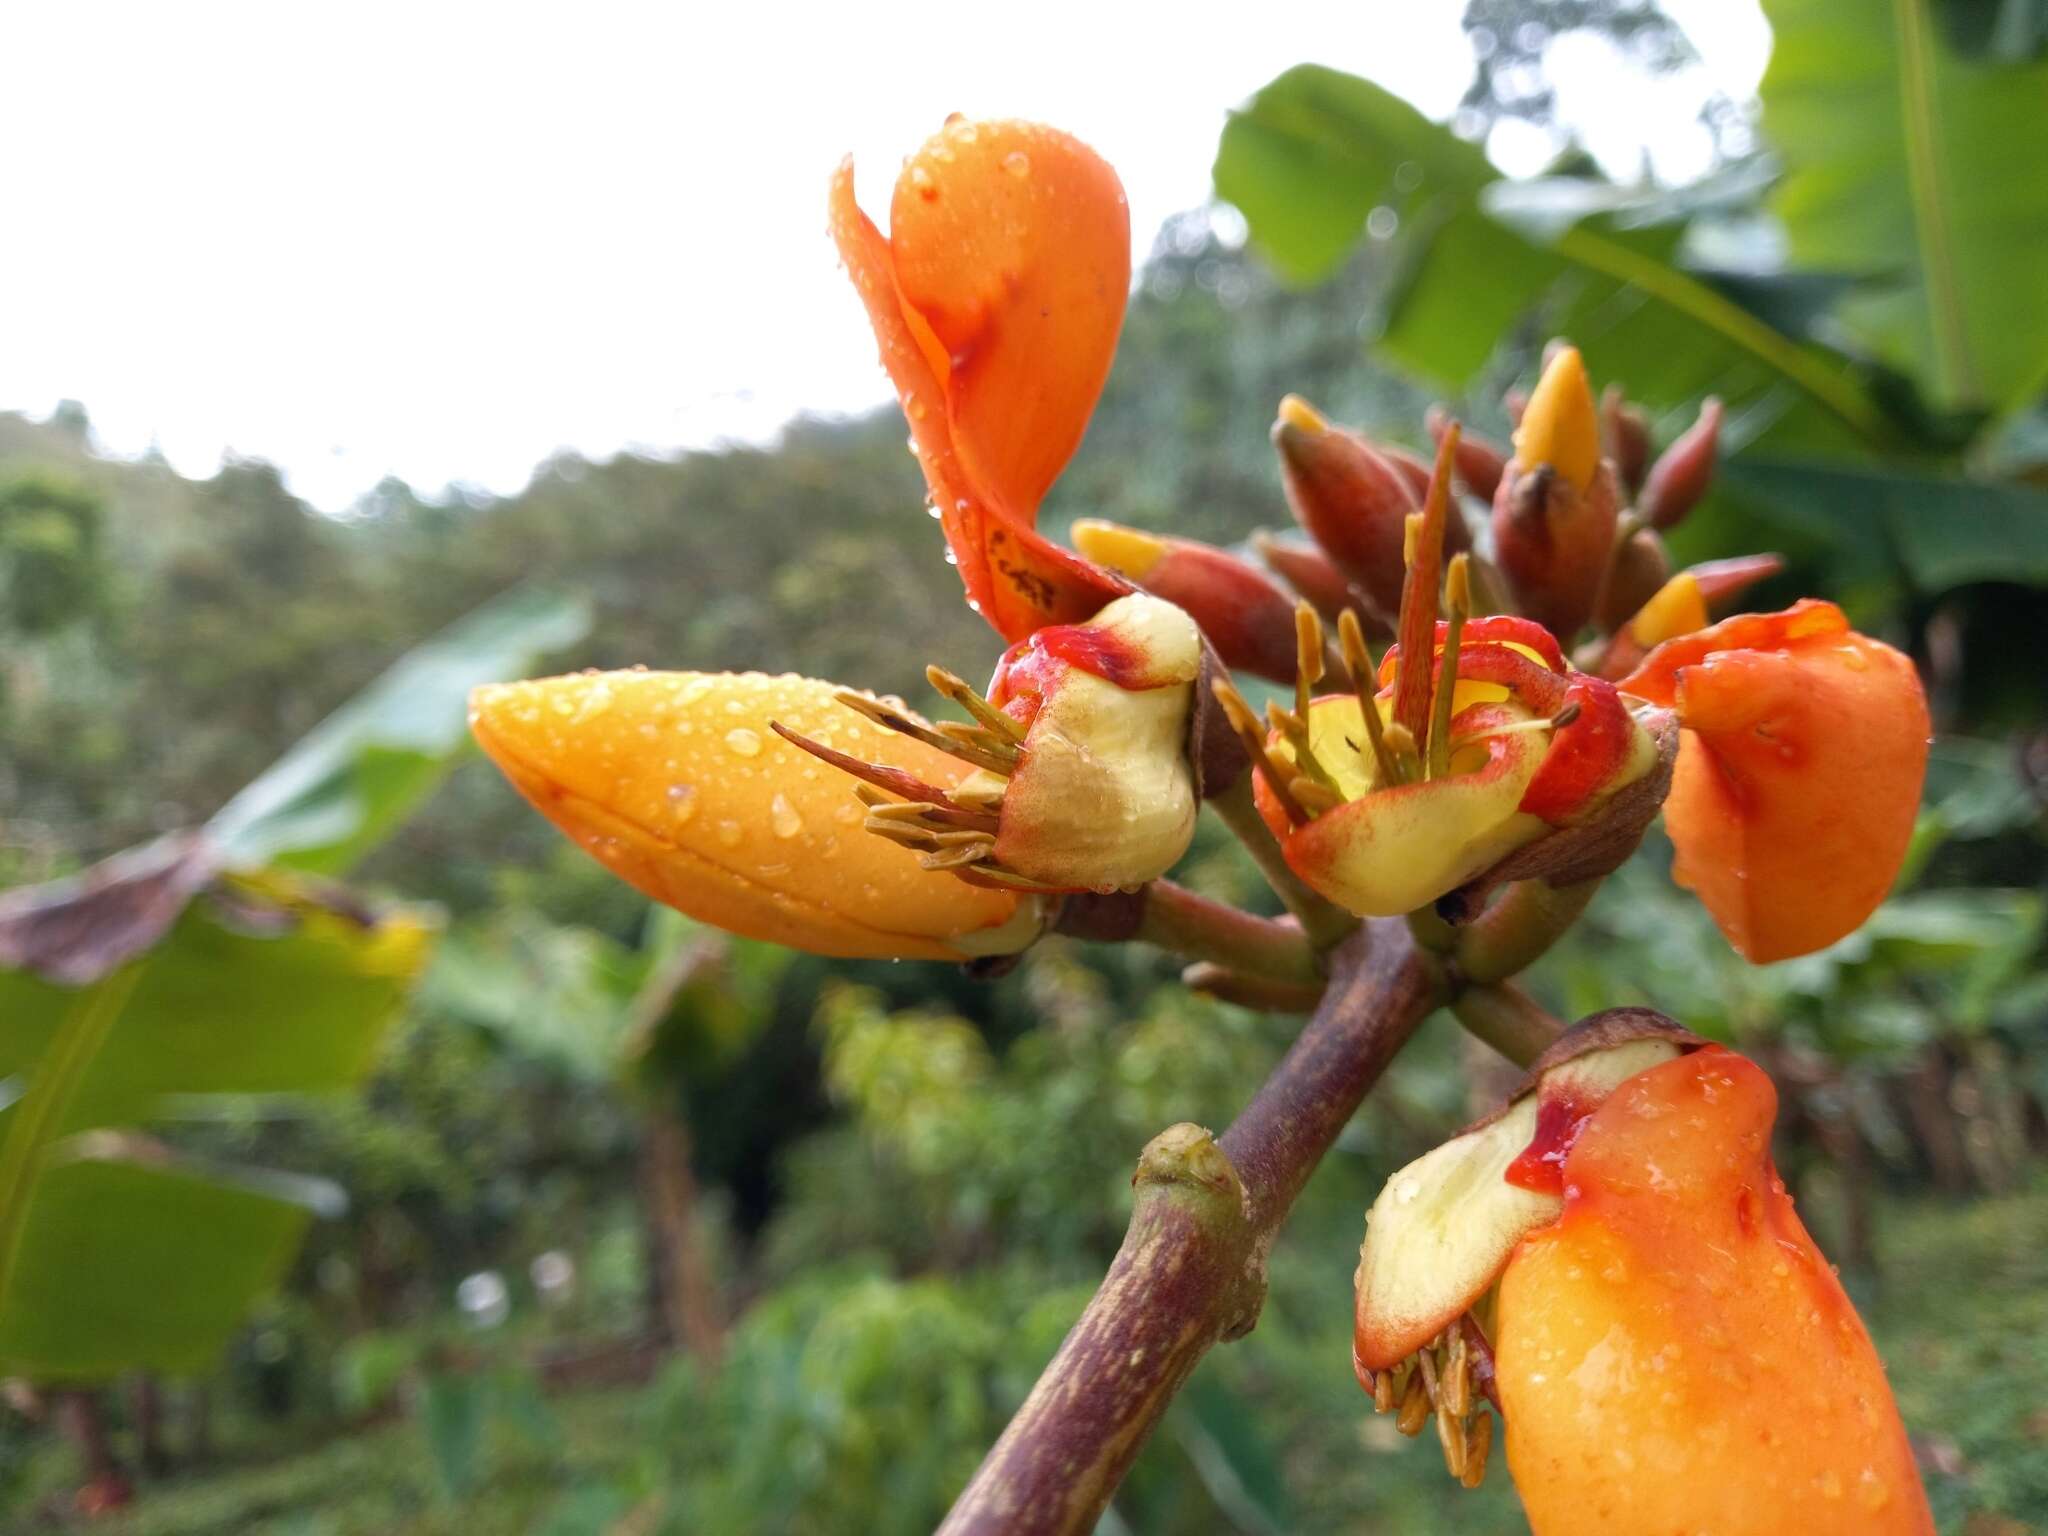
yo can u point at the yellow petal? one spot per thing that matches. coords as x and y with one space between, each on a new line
675 782
1560 427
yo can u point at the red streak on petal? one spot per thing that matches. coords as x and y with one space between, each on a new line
1560 1117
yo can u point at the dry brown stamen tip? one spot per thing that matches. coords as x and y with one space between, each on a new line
1414 1406
1246 725
1450 1434
963 693
891 780
1478 1441
1565 716
1383 1399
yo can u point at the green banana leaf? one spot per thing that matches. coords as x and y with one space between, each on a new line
115 1252
1919 167
1312 157
344 786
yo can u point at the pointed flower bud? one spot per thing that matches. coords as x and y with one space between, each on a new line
1347 496
1559 427
1554 511
1668 1350
1640 566
1314 576
1684 603
675 782
1244 613
1683 471
996 298
1799 774
1626 433
1480 463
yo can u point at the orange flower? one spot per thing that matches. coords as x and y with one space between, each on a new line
1798 775
997 298
1674 1353
1666 1346
675 782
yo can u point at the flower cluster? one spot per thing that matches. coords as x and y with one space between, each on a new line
1610 1262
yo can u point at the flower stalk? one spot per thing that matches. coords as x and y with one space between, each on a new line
1191 1271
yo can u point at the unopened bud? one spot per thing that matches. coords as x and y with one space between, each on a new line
1315 576
1553 542
1683 471
1479 462
1244 613
1347 496
1626 432
1639 569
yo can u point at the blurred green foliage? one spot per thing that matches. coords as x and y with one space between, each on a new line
908 1182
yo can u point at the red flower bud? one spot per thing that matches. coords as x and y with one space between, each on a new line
1683 471
1244 613
1315 576
1626 433
1351 499
1480 463
1555 509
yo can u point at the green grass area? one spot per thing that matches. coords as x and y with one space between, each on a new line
1961 1316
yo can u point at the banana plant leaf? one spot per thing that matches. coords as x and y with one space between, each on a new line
1317 154
348 783
1914 158
116 1252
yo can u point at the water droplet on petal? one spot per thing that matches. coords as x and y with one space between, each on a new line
783 820
729 833
744 742
682 801
1017 163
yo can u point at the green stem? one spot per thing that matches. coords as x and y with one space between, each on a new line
40 1115
1325 923
1509 1020
1196 928
1510 935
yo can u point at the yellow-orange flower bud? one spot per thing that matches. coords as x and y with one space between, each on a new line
675 782
1612 1262
1798 775
1674 1353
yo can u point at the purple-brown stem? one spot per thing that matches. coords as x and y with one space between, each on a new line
1192 1269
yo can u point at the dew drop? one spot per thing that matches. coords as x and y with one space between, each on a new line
1017 163
846 815
729 833
783 820
744 742
682 801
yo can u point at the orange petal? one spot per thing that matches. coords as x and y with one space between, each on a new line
1798 775
1015 577
674 782
1674 1354
1012 241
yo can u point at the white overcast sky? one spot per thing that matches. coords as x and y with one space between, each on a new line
443 241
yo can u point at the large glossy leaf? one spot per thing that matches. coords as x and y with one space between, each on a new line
1892 533
1315 153
350 780
1920 167
112 1257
